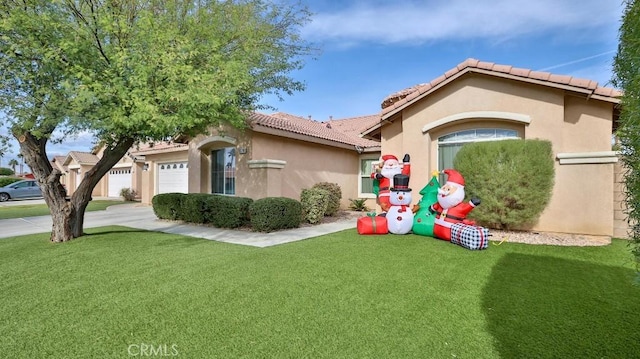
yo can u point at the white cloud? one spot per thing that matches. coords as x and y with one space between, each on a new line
82 141
436 20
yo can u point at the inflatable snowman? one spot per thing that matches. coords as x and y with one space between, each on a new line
400 216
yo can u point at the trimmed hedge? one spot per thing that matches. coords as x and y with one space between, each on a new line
5 181
195 207
512 178
168 205
219 211
275 213
227 212
315 202
335 195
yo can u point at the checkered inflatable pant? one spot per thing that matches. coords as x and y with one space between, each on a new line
470 237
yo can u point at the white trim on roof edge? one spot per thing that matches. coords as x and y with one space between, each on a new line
572 158
500 115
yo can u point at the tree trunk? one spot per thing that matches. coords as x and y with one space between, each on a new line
67 215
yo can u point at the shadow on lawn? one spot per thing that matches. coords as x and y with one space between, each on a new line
545 307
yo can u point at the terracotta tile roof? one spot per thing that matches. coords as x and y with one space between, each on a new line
344 131
82 158
355 125
397 101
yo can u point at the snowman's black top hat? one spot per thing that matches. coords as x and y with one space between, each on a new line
401 183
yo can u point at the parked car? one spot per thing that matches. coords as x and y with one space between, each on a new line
20 189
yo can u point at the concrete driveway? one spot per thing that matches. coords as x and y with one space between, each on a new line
121 214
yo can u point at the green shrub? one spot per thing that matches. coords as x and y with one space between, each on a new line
513 179
168 205
128 194
227 212
194 207
6 171
5 181
335 195
315 202
358 204
275 213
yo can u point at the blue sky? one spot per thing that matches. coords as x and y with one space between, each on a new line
372 48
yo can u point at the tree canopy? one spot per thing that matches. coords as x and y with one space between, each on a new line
138 71
627 77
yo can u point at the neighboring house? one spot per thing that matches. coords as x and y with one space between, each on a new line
127 173
78 163
483 101
277 155
164 167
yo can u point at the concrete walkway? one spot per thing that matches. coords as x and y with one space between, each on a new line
142 217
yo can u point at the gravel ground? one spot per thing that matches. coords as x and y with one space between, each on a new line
549 238
528 237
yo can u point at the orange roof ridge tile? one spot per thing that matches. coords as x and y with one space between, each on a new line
399 99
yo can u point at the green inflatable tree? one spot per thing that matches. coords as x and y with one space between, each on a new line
423 219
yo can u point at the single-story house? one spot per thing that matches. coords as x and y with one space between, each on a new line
77 163
480 101
276 155
280 154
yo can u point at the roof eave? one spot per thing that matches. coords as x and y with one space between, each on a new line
302 137
402 104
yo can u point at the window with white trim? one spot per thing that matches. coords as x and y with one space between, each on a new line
365 185
450 144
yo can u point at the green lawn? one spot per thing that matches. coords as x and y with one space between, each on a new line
118 291
32 210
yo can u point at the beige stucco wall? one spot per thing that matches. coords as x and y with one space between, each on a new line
571 123
274 166
308 164
70 179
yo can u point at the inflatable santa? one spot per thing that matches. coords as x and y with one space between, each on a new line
449 209
390 166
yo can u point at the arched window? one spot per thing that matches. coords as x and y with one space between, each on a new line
450 144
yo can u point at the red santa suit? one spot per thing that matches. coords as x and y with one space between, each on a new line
445 217
386 178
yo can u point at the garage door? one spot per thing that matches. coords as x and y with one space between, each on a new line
173 177
119 178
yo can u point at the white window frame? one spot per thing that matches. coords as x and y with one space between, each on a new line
457 142
361 176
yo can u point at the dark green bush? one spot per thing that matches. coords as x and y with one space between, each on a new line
513 179
194 207
6 171
315 202
227 212
335 195
275 213
4 181
168 205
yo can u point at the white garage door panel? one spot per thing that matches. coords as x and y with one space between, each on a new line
119 178
173 177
